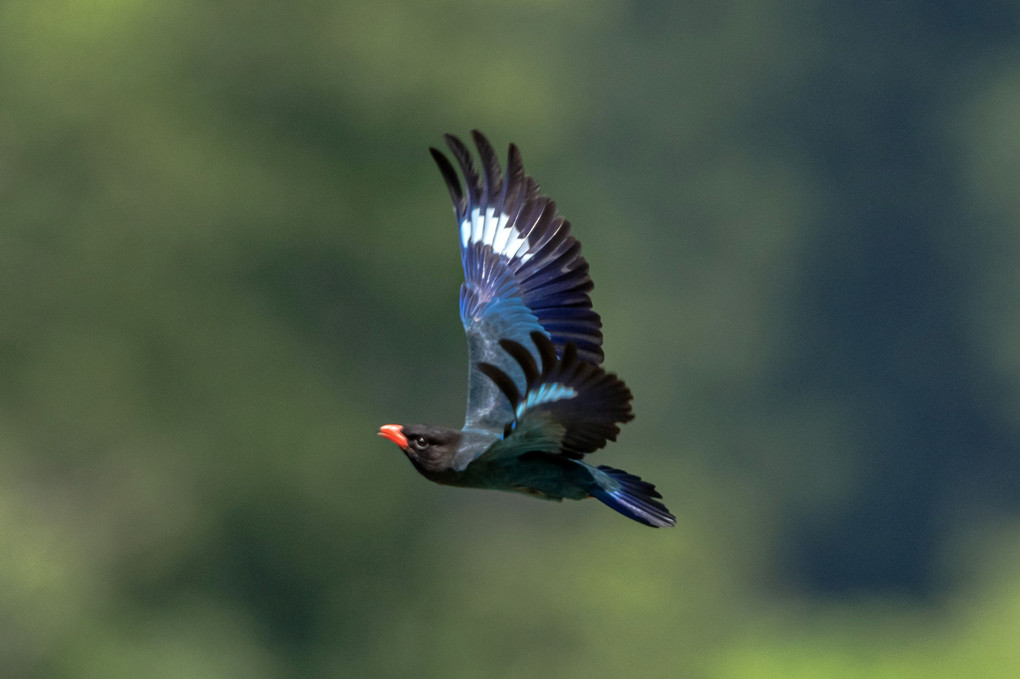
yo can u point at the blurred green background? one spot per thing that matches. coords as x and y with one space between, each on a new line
227 259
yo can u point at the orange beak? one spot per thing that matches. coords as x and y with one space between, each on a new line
395 433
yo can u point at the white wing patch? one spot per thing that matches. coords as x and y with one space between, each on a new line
547 393
489 230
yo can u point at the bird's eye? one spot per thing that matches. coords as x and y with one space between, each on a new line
421 442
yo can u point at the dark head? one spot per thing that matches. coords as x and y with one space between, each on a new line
430 449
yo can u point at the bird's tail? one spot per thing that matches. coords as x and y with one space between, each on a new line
632 497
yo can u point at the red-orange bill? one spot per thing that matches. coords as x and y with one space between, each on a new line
395 433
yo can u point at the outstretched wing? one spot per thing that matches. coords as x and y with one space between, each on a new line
569 407
523 273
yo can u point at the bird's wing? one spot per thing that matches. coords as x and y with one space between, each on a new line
523 273
569 407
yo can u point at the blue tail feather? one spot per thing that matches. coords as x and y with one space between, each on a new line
633 497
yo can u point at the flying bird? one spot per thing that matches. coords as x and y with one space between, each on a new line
538 400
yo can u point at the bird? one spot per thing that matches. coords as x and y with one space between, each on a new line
539 400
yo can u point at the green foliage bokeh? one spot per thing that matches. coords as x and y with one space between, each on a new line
227 259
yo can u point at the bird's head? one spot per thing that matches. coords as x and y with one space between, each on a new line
430 449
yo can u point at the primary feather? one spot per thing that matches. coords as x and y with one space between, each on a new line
523 272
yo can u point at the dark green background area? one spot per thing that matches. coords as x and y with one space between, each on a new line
226 258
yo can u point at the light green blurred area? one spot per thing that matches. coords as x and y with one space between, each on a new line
227 259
